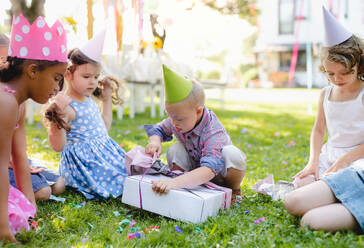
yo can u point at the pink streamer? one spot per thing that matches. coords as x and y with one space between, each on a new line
292 69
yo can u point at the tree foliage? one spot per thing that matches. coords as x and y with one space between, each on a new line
246 9
31 12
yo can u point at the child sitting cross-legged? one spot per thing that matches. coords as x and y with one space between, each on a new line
204 149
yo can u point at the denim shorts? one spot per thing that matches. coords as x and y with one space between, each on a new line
348 187
39 180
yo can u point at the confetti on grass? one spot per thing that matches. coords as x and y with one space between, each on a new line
132 223
56 198
177 229
259 220
34 225
125 222
246 212
116 213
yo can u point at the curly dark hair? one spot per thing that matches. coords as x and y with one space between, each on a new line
15 67
348 53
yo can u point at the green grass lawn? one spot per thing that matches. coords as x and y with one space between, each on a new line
262 123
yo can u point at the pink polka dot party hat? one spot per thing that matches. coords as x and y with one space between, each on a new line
37 41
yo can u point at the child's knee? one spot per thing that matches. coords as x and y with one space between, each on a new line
311 220
233 157
292 203
58 187
177 155
43 193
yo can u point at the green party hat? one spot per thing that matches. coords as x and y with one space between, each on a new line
176 87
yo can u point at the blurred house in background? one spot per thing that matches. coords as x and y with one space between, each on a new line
294 28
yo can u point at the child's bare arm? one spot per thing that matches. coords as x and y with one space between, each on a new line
346 159
195 177
316 141
57 137
20 158
57 134
8 113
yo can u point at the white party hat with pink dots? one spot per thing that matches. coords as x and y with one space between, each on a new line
37 41
94 47
335 33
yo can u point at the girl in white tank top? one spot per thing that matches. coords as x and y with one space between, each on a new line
335 202
341 112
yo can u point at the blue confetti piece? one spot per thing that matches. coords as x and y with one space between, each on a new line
138 235
244 130
246 212
116 213
177 229
56 198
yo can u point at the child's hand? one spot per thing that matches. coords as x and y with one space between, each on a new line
107 88
338 165
7 235
310 169
36 170
154 147
163 185
62 100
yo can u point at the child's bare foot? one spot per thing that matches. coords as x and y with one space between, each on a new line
236 198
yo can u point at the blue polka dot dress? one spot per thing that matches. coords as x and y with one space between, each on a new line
91 161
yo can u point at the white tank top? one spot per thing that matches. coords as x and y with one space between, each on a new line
344 120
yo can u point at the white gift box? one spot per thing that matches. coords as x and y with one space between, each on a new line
193 204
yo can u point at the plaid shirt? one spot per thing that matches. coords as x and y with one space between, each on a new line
203 143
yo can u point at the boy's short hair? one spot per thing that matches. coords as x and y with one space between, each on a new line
196 97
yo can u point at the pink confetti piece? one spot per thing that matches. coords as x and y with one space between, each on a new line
132 223
249 145
84 240
276 134
34 225
127 132
291 143
131 236
284 162
259 220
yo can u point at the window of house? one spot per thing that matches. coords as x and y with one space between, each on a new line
286 16
285 61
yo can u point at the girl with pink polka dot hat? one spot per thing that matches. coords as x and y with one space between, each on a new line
91 161
34 67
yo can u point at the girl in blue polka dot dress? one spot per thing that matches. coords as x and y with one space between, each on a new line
91 161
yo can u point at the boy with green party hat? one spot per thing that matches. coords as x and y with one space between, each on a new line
204 151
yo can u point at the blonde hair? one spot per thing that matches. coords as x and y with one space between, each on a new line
348 53
196 98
